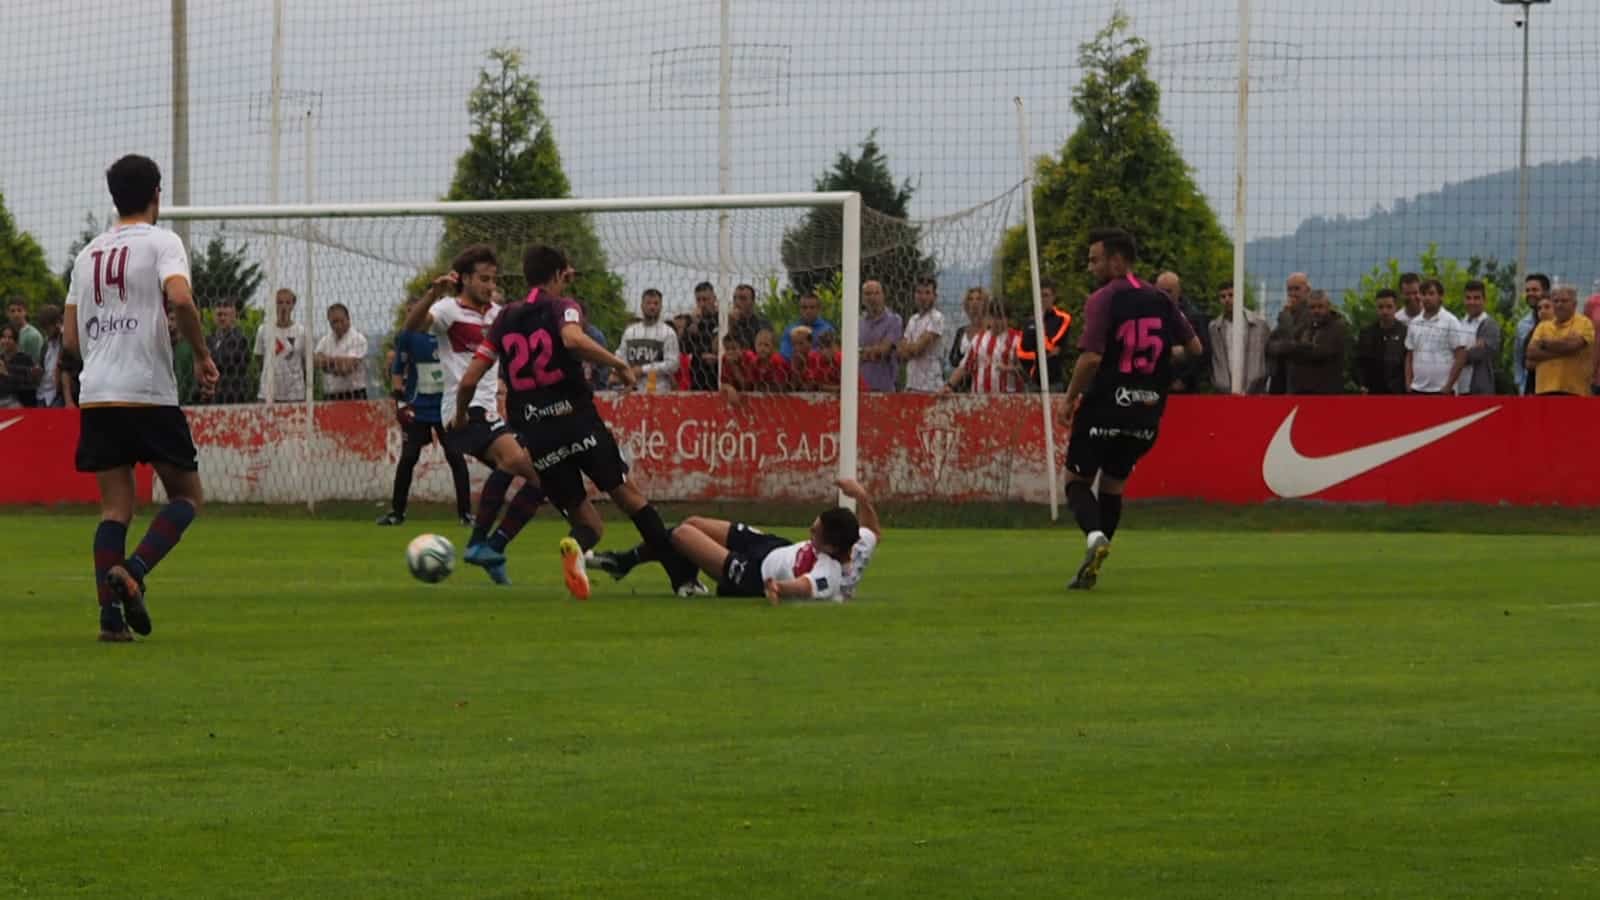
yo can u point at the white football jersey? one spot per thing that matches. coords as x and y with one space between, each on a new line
460 330
118 287
860 558
803 560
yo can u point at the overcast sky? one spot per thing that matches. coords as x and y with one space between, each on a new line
1356 102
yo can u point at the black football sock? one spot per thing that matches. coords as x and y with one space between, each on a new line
585 536
1085 508
659 543
1110 513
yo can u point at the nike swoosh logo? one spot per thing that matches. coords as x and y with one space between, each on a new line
10 422
1289 473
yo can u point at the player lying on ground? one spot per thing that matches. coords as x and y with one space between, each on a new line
460 323
1115 410
748 563
541 347
125 281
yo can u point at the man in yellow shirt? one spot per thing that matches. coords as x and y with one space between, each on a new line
1562 348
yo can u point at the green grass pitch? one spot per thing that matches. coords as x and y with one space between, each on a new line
1230 715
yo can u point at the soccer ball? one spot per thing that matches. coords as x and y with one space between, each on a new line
430 557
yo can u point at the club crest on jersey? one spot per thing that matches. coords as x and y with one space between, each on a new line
110 325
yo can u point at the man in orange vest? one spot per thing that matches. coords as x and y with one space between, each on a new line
1056 323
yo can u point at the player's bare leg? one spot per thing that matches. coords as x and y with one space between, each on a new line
117 498
716 529
700 549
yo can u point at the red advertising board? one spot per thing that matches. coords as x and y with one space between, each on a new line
1399 450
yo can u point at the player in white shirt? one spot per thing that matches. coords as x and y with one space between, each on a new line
650 347
281 344
123 284
750 563
461 323
342 357
920 344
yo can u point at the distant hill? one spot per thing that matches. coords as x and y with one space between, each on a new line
1473 218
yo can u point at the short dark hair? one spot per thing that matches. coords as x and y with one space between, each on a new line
1476 285
1386 292
542 262
6 328
745 287
840 529
1435 284
1410 278
704 286
340 307
928 281
1116 242
1543 279
1226 286
226 302
49 315
650 292
468 260
1047 284
812 295
134 181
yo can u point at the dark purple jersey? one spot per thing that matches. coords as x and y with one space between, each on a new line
543 378
1133 327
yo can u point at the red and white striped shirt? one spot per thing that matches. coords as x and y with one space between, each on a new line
992 361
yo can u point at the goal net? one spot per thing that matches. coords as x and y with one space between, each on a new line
755 383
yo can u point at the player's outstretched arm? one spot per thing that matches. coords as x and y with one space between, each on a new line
866 513
418 317
584 348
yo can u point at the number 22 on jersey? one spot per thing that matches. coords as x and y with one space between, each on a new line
529 367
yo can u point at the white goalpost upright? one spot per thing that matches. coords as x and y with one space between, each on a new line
362 254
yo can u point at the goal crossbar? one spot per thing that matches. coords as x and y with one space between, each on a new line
794 200
849 202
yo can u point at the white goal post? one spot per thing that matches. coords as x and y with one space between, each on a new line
313 228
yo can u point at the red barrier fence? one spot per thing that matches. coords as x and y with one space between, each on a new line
1401 450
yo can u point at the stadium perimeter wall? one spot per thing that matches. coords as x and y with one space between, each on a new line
701 447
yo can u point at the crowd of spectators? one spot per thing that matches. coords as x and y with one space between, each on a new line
1413 345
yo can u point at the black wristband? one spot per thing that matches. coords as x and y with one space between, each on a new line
399 396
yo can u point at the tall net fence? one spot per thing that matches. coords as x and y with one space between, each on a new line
1384 134
749 413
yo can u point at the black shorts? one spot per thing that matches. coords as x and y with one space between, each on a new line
418 435
474 438
748 548
110 437
568 448
1112 449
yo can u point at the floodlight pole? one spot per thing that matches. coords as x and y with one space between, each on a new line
1522 157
